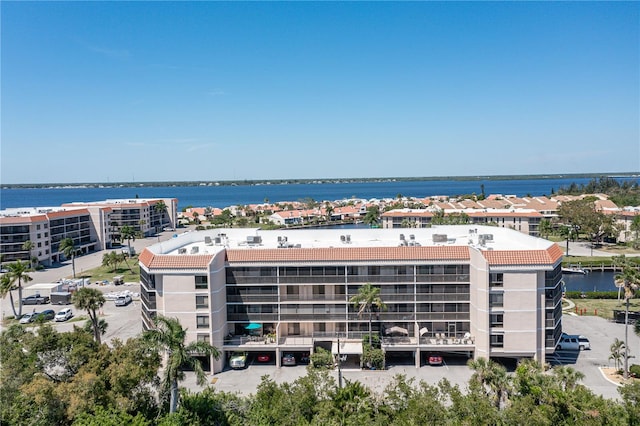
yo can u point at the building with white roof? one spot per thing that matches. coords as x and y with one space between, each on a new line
477 290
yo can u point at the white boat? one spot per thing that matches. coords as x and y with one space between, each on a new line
574 270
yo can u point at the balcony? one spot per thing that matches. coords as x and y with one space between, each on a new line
442 297
252 298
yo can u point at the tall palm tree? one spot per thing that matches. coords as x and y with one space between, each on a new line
127 232
169 336
367 298
68 248
6 286
29 246
629 280
567 377
91 300
18 273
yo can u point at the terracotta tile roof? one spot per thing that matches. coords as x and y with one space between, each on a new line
148 259
10 220
348 254
65 213
524 257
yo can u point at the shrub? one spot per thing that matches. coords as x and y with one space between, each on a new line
373 358
375 340
592 294
635 370
321 358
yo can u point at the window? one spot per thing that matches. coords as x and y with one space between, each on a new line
496 320
201 282
496 280
496 300
202 321
497 341
202 301
203 338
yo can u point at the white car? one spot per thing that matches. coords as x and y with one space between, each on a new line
28 318
64 315
584 343
123 300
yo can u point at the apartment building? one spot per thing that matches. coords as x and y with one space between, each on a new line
475 290
522 220
92 226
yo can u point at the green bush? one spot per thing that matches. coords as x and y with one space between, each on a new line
375 340
635 370
592 294
321 358
373 358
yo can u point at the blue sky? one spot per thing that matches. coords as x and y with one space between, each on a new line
140 91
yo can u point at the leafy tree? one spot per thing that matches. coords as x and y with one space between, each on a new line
629 280
567 377
328 209
91 300
160 207
68 248
372 217
545 228
366 300
169 336
18 274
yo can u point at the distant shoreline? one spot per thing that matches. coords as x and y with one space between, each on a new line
255 182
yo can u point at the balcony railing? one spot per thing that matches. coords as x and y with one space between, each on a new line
313 297
252 298
442 297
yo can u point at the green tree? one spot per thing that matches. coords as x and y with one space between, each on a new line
17 275
160 208
567 377
127 232
29 246
169 336
109 259
6 286
618 349
91 300
372 217
68 248
629 280
545 228
328 212
366 300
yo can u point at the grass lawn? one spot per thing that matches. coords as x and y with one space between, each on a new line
102 273
603 307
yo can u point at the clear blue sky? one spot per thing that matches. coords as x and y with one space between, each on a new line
139 91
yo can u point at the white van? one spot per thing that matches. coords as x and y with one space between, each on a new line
568 343
584 343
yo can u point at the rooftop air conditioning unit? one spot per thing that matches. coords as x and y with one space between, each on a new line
182 250
342 238
412 237
439 238
402 237
348 237
194 250
217 240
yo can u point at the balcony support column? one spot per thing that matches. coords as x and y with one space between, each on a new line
417 357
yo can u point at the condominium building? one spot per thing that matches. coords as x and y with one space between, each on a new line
92 226
475 290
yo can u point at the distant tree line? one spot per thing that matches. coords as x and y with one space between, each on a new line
625 193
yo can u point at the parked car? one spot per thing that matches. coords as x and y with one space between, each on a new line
238 360
584 343
123 300
28 318
46 315
288 359
263 358
568 343
64 315
35 299
435 360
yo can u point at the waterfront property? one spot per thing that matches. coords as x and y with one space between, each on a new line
92 226
473 290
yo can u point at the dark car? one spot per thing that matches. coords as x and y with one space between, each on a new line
435 359
288 359
46 315
35 299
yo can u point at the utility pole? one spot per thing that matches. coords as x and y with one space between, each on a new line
339 363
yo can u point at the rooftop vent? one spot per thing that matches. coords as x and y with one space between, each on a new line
207 240
182 250
195 250
217 240
254 239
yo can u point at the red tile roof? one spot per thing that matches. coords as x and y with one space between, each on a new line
524 257
348 254
148 259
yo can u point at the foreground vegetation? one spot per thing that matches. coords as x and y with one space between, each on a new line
69 378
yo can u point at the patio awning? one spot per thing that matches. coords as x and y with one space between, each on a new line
347 348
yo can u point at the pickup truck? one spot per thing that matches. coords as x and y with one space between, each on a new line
35 299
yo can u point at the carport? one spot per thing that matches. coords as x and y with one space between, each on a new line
350 353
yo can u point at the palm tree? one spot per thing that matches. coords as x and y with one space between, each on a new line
160 207
68 248
91 300
107 260
127 232
629 280
6 286
368 296
567 377
617 349
18 273
169 336
28 246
